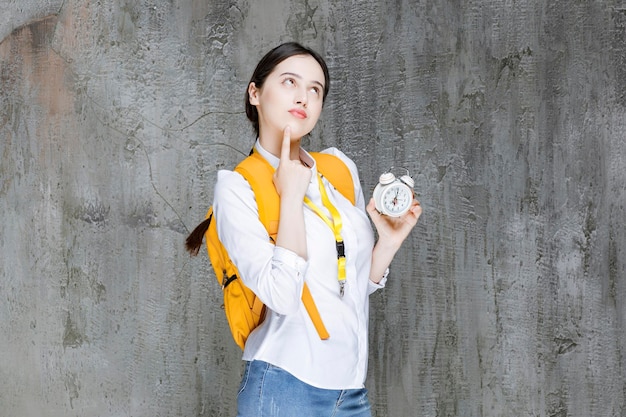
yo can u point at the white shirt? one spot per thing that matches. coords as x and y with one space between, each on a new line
287 337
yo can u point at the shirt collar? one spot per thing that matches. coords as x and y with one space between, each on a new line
273 160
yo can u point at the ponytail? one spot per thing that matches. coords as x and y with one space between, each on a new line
194 240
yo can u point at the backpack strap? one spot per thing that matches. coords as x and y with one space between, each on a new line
258 172
337 173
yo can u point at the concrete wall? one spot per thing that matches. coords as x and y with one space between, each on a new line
508 298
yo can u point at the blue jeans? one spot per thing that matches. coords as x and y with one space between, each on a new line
269 391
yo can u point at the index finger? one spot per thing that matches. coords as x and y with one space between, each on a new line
285 150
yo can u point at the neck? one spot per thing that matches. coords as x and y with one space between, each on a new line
273 146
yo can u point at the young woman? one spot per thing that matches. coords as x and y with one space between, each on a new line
290 370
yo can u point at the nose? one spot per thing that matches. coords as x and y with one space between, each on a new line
302 98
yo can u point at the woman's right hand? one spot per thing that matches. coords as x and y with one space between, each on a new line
291 178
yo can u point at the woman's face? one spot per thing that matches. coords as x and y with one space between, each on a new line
292 95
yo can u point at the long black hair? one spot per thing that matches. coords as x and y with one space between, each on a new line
267 64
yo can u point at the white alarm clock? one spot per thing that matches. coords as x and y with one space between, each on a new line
393 196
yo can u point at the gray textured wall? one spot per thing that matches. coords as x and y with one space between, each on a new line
508 298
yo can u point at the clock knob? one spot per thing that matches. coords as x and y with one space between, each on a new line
386 178
407 180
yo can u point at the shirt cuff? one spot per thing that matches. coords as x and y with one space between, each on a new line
381 284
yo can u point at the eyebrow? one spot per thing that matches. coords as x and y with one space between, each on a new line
300 77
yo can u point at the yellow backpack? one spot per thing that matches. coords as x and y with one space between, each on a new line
244 310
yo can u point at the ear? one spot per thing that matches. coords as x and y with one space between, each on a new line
253 94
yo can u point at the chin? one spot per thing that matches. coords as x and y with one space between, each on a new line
301 131
300 136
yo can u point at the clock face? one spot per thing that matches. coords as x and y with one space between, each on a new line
396 199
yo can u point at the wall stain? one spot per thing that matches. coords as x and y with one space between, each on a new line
94 213
564 345
78 284
613 277
302 21
72 386
143 215
512 62
556 405
589 229
618 53
72 337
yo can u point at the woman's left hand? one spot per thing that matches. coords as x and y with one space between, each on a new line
394 230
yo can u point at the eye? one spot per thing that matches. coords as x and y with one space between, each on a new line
315 90
289 81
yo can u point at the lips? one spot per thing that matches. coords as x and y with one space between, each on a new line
299 113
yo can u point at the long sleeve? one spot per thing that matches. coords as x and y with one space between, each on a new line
287 337
274 274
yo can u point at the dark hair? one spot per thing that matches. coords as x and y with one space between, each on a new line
267 64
